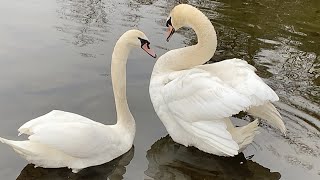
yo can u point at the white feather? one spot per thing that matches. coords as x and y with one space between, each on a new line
195 101
64 139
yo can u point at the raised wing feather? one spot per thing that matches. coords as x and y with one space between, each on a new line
240 75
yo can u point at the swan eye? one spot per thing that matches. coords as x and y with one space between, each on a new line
169 22
143 42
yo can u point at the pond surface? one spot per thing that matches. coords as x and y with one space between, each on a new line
56 54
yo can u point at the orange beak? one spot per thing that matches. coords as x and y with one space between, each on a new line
170 32
147 49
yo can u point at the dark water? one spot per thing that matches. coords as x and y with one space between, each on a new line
56 54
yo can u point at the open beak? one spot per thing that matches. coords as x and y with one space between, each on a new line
147 49
170 32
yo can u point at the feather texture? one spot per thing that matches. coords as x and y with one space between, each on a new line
194 101
63 139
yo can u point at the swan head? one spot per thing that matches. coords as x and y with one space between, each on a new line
179 17
136 38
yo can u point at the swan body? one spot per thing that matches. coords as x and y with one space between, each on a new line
64 139
194 101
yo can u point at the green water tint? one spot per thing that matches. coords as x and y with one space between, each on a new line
280 38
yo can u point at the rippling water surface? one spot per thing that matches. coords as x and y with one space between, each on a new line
56 54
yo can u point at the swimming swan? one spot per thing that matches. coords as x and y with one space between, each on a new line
194 101
64 139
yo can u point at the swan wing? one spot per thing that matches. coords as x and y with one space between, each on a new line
55 116
241 76
199 102
76 139
195 95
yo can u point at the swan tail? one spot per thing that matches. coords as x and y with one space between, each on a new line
37 154
244 135
21 147
270 114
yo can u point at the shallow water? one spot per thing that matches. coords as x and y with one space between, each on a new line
56 55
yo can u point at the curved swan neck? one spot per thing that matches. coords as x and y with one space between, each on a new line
206 34
118 74
185 58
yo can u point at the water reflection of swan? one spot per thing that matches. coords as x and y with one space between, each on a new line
112 170
169 160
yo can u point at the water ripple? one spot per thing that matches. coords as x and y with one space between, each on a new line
85 20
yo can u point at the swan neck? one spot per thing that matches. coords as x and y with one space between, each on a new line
118 75
206 34
188 57
206 37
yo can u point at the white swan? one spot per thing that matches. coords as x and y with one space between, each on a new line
64 139
195 101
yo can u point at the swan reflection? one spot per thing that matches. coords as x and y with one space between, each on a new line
112 170
169 160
